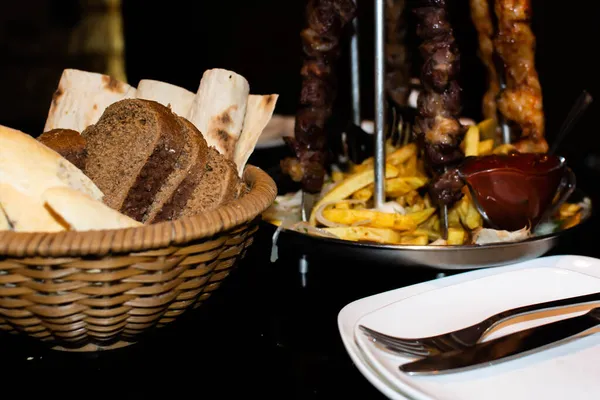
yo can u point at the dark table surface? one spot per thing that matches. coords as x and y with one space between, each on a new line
262 334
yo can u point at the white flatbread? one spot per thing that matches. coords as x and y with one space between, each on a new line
83 213
259 111
278 127
25 213
31 167
486 236
4 225
219 108
82 97
177 98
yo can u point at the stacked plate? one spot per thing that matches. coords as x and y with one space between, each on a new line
568 370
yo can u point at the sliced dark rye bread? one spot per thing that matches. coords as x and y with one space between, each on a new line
191 163
132 151
207 186
68 143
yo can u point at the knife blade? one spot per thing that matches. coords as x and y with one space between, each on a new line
505 348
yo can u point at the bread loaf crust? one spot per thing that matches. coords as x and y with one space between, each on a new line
68 143
218 185
131 167
172 200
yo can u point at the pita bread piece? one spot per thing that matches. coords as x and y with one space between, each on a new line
27 214
4 225
83 213
219 108
82 97
177 98
259 111
31 167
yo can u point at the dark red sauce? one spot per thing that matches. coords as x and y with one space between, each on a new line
514 190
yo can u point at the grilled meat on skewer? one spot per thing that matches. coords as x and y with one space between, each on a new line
326 20
437 128
481 15
521 102
397 79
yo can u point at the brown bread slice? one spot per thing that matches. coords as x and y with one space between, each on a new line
132 151
219 184
189 170
68 143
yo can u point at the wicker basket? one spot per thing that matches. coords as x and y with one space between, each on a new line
97 290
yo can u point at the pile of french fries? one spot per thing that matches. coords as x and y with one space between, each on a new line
409 217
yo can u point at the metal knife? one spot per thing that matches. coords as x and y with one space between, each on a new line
505 348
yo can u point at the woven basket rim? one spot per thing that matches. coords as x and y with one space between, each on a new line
248 207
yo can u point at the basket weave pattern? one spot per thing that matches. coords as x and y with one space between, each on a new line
102 289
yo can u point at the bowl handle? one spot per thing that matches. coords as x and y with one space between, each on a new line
478 206
564 191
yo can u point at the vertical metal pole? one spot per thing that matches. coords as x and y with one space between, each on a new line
505 131
354 56
379 194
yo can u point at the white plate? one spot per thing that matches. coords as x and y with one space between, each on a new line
430 308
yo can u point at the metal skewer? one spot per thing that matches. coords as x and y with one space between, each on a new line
355 76
499 65
379 192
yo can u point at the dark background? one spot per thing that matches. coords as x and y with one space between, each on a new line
262 325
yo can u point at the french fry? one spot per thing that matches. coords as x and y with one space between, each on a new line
485 147
571 221
487 129
378 219
427 200
415 208
363 194
350 185
568 210
402 185
456 236
337 176
368 234
342 206
420 240
421 216
471 141
402 169
504 149
397 187
453 217
420 232
402 154
357 169
371 218
411 166
468 214
413 198
431 234
430 223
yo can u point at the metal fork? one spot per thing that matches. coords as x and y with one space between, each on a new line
466 337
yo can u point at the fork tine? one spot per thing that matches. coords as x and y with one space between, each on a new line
401 350
403 342
414 349
398 348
